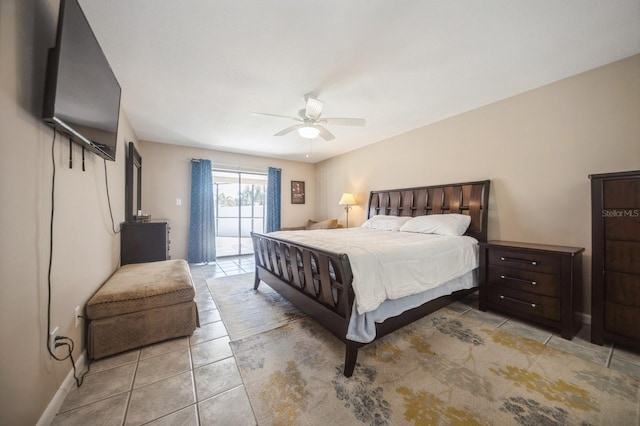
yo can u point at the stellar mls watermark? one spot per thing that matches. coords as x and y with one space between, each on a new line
621 213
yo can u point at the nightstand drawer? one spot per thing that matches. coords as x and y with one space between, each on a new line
519 279
537 262
525 302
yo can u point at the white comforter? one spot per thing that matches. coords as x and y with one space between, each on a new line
391 265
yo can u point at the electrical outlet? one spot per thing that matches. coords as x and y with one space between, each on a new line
77 312
52 339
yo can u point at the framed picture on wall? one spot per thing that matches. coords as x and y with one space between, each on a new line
297 192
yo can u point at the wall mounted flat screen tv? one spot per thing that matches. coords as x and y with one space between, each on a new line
82 95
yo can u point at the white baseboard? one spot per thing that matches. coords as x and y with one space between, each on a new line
56 402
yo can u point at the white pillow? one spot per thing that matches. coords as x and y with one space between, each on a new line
441 224
386 223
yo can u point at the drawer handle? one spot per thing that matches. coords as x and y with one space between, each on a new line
513 259
511 299
506 277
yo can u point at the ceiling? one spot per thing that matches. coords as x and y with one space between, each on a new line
194 71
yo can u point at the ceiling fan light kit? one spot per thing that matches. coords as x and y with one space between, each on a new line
309 132
310 123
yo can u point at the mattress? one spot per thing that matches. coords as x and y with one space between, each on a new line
390 265
362 327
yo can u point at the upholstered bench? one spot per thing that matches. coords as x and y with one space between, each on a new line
140 304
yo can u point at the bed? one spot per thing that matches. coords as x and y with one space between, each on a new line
318 277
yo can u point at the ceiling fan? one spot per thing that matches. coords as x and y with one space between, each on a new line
310 123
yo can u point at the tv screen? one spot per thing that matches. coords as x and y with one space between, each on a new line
82 95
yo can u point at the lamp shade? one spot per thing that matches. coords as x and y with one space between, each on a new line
347 200
309 132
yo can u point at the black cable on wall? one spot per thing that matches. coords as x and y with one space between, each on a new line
59 340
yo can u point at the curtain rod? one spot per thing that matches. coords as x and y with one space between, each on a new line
232 167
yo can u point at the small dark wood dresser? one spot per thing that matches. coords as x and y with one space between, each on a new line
144 242
615 282
535 282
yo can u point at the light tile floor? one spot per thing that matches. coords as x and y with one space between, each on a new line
195 380
187 381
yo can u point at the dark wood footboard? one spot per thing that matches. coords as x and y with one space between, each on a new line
318 282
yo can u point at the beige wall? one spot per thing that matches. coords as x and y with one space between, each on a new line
537 148
166 176
85 251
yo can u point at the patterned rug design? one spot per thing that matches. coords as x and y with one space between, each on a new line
245 311
443 369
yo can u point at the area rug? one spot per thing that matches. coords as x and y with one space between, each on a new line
443 369
246 311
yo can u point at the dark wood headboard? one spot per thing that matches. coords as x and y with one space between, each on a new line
470 198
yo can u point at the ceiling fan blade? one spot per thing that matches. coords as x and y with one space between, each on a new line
314 108
289 129
344 121
325 134
264 114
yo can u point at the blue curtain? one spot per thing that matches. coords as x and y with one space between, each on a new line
202 237
273 199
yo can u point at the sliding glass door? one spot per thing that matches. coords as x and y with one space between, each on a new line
240 200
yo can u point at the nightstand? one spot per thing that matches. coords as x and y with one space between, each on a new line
536 282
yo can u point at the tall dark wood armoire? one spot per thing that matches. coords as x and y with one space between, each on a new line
615 283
